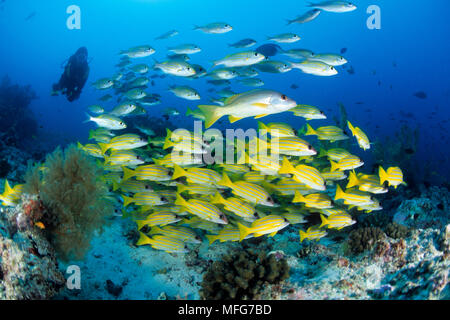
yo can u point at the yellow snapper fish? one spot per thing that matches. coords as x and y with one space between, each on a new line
255 103
131 185
308 112
285 38
224 74
187 48
331 211
288 187
182 134
127 141
277 129
202 209
186 159
147 198
334 6
234 168
175 68
185 92
265 165
393 175
337 221
107 121
103 84
197 223
294 218
138 52
329 58
331 133
92 149
328 175
199 189
375 206
307 175
163 242
347 163
215 28
178 232
149 172
312 233
197 175
239 207
316 68
334 154
96 109
361 137
123 109
353 197
11 196
292 146
367 183
135 94
159 218
270 224
314 200
185 146
248 191
254 177
124 157
228 233
240 59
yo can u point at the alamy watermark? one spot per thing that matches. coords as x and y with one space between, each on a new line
374 20
74 20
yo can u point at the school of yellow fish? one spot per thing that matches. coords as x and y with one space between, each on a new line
176 200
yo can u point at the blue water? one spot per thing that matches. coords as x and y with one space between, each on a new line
409 53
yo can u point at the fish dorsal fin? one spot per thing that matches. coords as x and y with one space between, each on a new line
233 119
8 190
231 99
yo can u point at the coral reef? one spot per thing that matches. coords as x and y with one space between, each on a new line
363 239
243 275
396 231
73 197
430 210
28 266
17 122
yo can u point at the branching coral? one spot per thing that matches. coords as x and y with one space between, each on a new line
242 275
74 197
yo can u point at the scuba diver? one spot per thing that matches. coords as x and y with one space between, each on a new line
74 77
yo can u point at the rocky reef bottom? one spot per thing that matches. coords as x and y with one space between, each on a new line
402 254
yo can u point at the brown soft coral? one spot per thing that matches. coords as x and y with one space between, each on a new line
74 195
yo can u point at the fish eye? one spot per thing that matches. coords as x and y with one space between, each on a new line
321 112
283 97
332 68
255 214
147 187
163 199
309 147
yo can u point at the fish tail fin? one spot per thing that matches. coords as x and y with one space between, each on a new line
322 153
334 166
303 235
155 230
167 142
350 126
339 193
286 166
178 172
115 186
141 224
127 173
324 221
243 231
217 199
157 161
103 147
189 112
180 201
8 190
211 238
225 181
79 145
310 131
262 126
352 179
181 188
298 197
212 114
126 200
143 240
88 118
91 135
382 174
